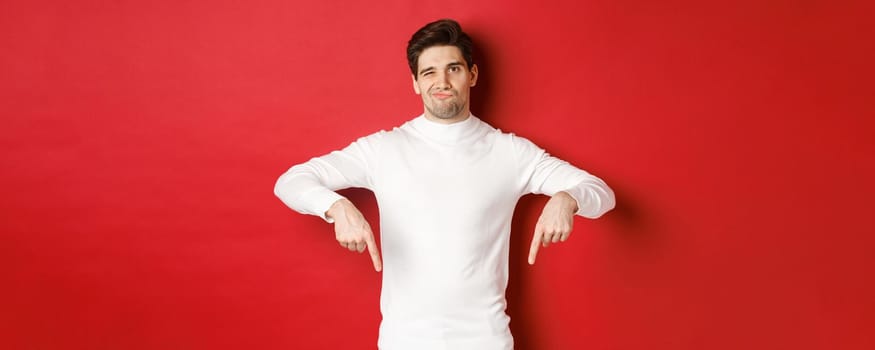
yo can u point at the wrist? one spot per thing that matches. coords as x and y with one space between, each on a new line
336 209
568 202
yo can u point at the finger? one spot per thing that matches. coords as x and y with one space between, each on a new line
546 238
375 254
565 236
361 247
556 237
536 242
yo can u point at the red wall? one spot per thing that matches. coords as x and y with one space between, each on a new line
141 140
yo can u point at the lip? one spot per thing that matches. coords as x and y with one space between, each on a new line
442 95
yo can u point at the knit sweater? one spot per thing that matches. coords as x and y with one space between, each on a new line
446 194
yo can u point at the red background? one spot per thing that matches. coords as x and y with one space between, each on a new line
141 141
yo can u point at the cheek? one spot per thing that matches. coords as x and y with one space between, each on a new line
463 86
463 82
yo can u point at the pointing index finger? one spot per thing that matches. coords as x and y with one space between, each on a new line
375 254
536 243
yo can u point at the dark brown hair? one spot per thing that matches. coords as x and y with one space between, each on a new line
438 33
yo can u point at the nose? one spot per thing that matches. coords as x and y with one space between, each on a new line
443 80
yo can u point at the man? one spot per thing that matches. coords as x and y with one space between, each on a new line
446 184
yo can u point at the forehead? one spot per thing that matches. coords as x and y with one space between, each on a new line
437 56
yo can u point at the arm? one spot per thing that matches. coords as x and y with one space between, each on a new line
309 188
572 190
551 175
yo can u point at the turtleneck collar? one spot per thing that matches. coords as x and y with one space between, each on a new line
454 133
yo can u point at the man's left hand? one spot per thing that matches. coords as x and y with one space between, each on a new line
555 223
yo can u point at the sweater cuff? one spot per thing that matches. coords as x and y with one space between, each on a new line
321 200
577 194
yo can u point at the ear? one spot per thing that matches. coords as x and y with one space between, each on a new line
415 86
474 74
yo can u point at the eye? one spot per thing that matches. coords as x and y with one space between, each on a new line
455 69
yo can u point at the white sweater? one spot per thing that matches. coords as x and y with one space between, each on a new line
446 195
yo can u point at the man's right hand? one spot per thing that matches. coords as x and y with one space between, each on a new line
352 230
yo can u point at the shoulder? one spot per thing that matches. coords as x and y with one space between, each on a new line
384 136
517 147
511 139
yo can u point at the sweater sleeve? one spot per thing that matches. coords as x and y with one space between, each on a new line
309 188
545 174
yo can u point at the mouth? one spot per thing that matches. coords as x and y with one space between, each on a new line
442 95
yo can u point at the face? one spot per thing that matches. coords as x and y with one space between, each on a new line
444 82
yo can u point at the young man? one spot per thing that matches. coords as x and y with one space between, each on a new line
446 184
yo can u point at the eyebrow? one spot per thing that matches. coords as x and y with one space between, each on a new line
429 69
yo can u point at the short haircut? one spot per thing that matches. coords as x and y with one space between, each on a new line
443 32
